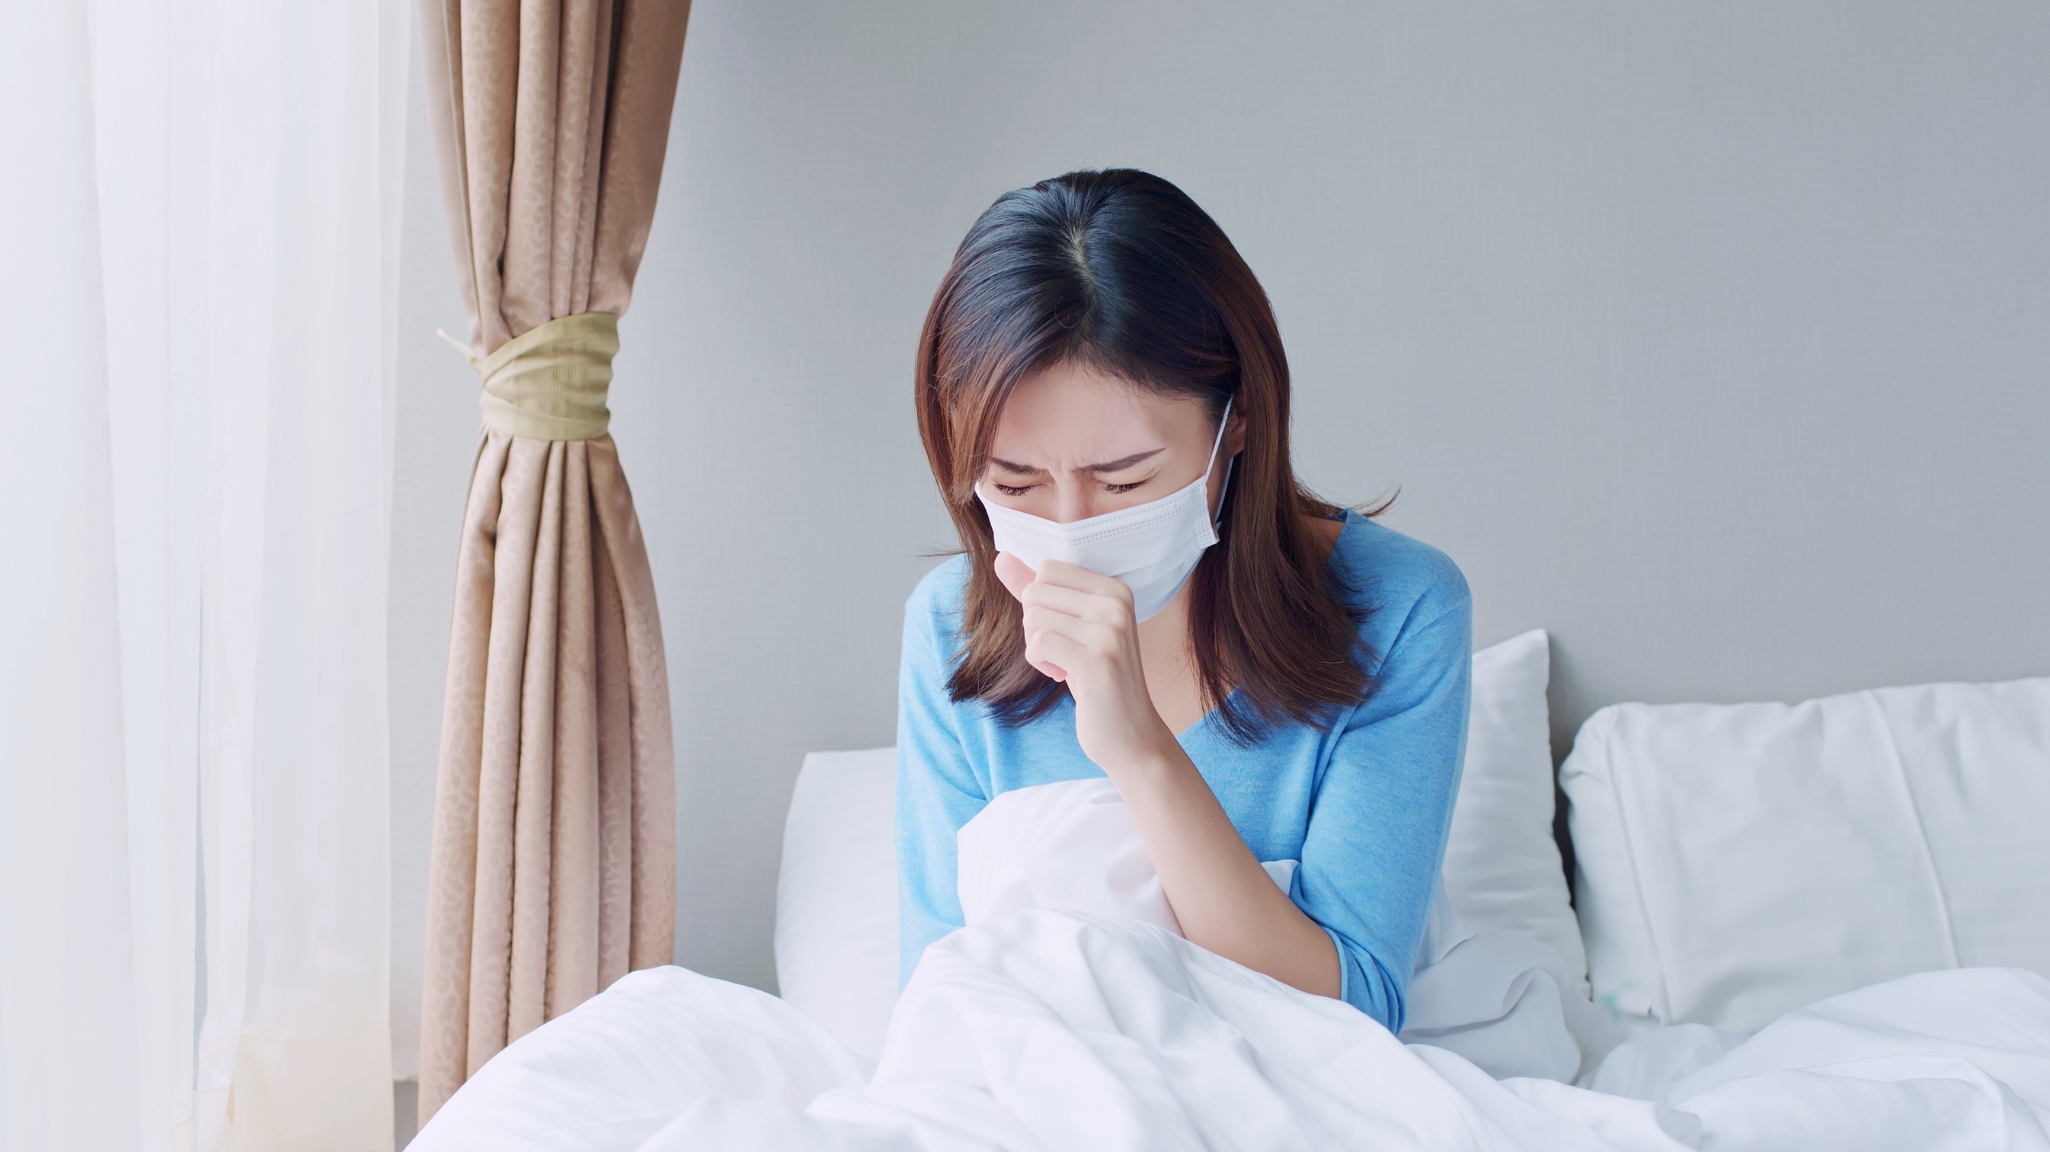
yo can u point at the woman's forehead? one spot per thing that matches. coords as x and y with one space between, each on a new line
1075 414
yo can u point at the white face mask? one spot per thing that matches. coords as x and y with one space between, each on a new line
1152 547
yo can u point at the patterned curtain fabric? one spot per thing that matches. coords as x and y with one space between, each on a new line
554 829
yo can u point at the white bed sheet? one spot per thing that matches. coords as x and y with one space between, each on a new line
1091 1024
1096 1026
1054 1031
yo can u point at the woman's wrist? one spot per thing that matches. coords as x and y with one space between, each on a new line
1153 759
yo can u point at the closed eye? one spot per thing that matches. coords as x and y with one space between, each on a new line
1007 490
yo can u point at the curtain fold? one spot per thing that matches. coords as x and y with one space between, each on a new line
553 867
199 299
67 1076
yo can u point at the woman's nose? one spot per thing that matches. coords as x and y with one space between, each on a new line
1072 501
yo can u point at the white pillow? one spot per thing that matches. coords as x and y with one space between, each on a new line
1502 867
836 897
1737 862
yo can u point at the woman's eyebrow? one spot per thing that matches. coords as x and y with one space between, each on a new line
1117 465
1123 462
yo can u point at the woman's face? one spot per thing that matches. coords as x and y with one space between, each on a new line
1072 443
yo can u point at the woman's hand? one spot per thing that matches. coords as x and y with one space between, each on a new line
1079 629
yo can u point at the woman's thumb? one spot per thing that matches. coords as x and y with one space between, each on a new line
1015 573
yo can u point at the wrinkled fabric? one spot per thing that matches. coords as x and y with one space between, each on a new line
553 868
1055 1031
1503 1001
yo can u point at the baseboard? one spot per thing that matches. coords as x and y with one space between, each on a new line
405 1111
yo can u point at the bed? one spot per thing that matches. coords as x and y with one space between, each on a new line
1804 926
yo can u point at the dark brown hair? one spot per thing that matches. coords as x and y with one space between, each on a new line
1121 271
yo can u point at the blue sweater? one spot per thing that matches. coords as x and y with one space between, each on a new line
1363 805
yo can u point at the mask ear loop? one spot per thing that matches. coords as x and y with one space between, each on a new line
1225 491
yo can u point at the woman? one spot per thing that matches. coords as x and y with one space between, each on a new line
1147 593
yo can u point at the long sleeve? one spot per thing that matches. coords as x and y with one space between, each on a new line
1376 834
937 789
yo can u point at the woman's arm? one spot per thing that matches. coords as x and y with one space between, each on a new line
1224 900
937 787
1376 833
1079 628
1375 840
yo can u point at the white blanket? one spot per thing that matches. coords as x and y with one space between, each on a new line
1504 1001
1056 1031
1092 1024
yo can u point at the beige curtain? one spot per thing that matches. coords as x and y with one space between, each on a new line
554 827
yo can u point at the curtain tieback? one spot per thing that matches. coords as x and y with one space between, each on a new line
548 383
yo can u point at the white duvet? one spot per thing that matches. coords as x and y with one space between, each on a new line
1093 1025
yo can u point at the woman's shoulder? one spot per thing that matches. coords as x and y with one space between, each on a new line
934 606
1397 579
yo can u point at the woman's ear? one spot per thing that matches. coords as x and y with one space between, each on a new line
1235 433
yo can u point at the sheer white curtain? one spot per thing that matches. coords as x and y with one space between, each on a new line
198 255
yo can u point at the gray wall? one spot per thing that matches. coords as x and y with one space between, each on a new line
1711 336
